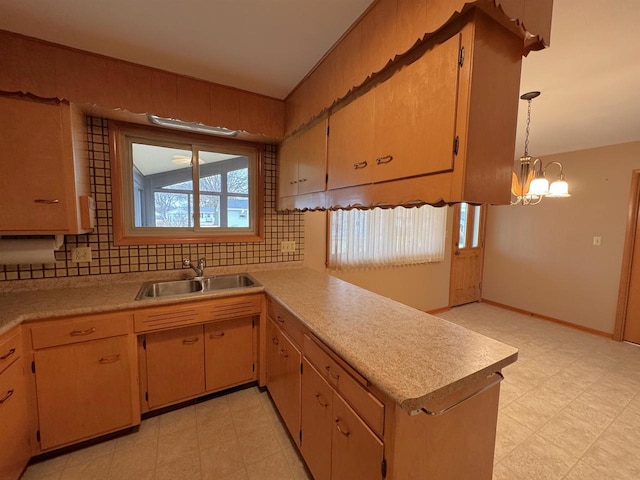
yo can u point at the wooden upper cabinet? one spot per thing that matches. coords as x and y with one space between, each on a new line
351 151
44 170
404 127
415 116
303 162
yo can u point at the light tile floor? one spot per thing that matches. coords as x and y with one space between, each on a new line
233 437
569 409
570 405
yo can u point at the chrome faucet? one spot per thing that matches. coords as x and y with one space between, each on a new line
199 269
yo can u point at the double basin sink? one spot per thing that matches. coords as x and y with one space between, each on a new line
196 286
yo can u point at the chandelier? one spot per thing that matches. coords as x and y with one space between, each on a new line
531 186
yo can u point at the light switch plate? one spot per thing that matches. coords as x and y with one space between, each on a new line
597 241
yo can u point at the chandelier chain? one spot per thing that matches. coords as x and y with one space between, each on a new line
526 136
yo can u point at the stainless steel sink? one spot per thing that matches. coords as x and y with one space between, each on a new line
195 286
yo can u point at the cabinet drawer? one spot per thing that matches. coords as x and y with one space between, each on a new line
286 321
10 348
362 401
81 329
232 307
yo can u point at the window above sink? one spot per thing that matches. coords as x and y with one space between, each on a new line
175 187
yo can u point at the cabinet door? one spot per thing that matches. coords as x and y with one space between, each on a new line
283 378
175 365
316 422
351 154
288 154
14 422
356 452
83 390
34 171
312 162
229 357
415 115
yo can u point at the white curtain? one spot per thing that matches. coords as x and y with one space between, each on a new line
387 237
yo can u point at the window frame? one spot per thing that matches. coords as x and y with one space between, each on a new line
122 187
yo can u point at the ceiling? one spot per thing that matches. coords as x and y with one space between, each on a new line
588 78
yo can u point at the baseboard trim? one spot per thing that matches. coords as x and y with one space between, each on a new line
438 310
549 319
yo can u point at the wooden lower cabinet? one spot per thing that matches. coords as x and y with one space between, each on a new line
336 443
356 452
14 422
316 422
283 377
83 390
175 367
183 363
229 354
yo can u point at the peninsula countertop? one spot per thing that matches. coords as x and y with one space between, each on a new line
412 357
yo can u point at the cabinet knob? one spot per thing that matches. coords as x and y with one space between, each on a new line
46 200
280 319
275 341
284 353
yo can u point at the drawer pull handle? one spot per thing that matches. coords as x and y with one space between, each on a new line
360 165
280 319
82 333
336 377
292 183
284 353
385 159
346 433
6 396
318 397
46 201
8 354
275 341
216 336
109 359
190 341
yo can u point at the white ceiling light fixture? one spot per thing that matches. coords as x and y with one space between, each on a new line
531 186
191 126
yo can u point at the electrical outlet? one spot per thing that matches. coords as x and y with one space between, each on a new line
597 241
288 247
80 254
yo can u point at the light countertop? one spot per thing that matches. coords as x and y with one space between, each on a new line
411 356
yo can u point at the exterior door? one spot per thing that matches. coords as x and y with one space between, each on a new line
467 254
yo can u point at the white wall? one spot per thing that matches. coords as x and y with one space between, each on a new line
425 287
542 259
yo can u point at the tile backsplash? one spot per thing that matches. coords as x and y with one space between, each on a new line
110 259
